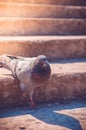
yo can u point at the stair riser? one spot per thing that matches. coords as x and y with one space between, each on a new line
17 27
63 2
74 84
41 11
53 49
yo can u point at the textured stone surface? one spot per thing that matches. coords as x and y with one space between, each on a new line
54 47
41 11
56 116
35 26
64 2
68 81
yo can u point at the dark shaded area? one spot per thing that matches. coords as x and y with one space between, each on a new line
49 113
70 61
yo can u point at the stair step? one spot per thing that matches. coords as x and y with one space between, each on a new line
41 11
48 116
58 2
54 47
40 26
67 81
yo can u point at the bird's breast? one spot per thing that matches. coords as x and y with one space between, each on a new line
40 76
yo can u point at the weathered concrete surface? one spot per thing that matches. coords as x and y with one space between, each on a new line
56 116
54 47
41 11
63 2
67 81
40 26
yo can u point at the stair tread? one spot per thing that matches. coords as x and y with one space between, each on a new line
41 26
70 66
44 38
73 113
54 47
41 5
63 2
53 19
40 11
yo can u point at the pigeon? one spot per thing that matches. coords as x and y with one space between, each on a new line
30 72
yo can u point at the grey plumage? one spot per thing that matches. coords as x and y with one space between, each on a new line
30 72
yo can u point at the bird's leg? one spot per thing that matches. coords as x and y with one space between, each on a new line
32 103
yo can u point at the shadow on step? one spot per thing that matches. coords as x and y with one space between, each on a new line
71 61
50 114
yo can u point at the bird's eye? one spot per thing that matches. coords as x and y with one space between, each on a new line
43 60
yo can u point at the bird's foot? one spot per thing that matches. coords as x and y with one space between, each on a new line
33 106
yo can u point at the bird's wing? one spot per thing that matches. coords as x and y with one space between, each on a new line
23 69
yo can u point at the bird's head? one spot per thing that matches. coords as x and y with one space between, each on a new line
41 61
41 70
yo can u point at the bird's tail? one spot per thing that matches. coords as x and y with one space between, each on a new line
5 61
9 62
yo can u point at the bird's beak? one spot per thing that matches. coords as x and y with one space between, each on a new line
44 65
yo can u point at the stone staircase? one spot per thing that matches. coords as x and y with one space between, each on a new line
55 28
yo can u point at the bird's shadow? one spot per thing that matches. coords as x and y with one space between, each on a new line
48 114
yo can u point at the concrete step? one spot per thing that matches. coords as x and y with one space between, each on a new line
58 2
67 82
41 11
49 116
54 47
40 26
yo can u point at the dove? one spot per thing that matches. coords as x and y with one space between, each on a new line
30 72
